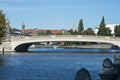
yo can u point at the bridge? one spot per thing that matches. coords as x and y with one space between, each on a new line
22 43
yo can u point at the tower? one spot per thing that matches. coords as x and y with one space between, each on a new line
23 29
74 29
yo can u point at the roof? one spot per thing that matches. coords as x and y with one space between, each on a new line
33 31
30 31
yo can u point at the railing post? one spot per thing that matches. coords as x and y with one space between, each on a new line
3 51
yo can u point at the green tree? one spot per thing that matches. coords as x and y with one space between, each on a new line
2 24
13 30
117 30
48 32
80 27
103 31
73 33
67 33
41 33
108 32
89 31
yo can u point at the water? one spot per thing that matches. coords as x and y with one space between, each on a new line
50 65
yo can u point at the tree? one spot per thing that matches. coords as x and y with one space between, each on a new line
2 24
13 30
108 32
103 31
89 31
41 33
80 27
73 33
67 33
48 32
117 30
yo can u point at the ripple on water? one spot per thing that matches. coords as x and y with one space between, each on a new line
50 66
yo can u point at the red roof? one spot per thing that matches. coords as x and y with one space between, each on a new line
33 31
56 31
30 31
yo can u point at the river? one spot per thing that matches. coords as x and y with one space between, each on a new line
52 64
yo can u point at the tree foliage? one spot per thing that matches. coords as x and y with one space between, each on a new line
48 32
117 31
88 31
41 33
103 31
108 32
73 33
2 24
13 30
80 27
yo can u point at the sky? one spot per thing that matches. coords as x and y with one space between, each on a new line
60 14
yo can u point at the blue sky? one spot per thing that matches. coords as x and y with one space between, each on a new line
60 14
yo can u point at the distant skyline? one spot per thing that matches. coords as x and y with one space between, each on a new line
60 14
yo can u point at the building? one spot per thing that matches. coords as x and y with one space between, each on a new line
33 31
74 29
112 27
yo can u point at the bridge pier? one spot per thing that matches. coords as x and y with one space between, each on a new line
7 47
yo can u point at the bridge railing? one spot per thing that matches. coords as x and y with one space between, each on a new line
64 36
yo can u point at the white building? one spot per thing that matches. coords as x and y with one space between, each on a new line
74 29
112 27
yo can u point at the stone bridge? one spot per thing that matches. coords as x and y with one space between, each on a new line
23 43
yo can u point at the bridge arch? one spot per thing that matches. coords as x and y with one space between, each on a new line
23 47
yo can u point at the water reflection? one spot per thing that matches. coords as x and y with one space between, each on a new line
74 50
1 60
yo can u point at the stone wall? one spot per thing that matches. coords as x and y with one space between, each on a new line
6 46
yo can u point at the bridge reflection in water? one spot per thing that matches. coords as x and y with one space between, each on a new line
73 50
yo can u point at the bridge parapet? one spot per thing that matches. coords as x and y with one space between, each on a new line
66 37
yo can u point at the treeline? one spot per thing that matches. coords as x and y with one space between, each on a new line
117 31
80 30
2 25
102 30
